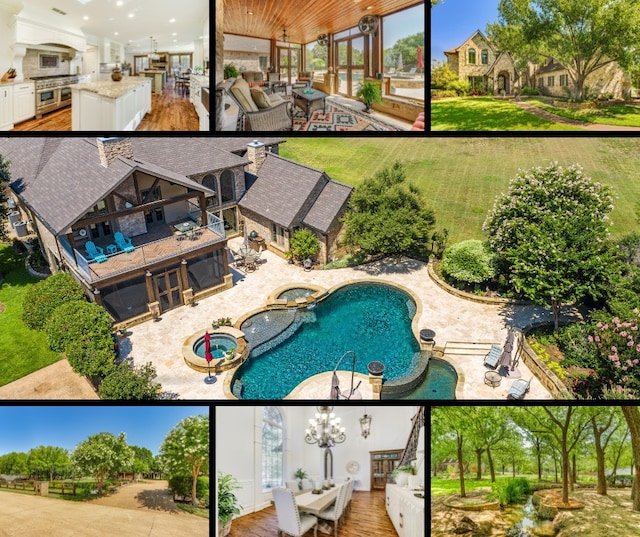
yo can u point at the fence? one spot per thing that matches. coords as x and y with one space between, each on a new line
55 487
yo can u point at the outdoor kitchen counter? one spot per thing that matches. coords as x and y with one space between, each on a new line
109 88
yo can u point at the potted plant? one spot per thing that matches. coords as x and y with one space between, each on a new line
369 93
401 475
300 475
231 353
230 71
227 502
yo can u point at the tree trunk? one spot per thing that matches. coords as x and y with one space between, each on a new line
539 456
601 486
461 467
565 473
479 463
632 416
574 473
195 470
492 469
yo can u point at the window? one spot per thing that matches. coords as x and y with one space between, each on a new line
485 57
227 186
151 195
316 57
541 82
277 234
211 182
472 55
126 299
206 271
272 448
550 81
564 80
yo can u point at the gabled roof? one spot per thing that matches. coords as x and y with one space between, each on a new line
455 50
551 67
496 60
60 179
291 194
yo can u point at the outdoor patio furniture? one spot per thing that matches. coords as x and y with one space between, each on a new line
249 262
95 253
493 357
308 264
492 378
124 243
259 111
518 389
112 248
427 335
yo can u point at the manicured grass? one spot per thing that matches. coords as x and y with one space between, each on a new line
487 114
22 351
198 511
619 115
440 487
461 177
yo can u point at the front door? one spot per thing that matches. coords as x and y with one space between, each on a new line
350 59
168 289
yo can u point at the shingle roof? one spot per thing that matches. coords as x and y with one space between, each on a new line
61 178
328 205
282 189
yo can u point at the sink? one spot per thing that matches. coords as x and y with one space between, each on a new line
204 95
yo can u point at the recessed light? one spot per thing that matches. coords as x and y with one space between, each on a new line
172 20
85 18
115 33
369 8
175 40
174 33
249 12
131 15
119 3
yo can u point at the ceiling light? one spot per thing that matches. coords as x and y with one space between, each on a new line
369 8
131 15
249 12
119 3
85 18
172 20
174 33
115 33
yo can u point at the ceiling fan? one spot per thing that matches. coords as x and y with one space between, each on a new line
323 40
368 24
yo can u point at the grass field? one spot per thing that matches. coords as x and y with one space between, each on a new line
487 114
22 351
461 177
620 115
441 487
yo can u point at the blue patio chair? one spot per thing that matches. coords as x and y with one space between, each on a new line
518 389
493 357
95 253
124 243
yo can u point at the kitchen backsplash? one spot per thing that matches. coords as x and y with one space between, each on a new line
31 66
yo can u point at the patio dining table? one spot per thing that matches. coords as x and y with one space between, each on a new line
183 227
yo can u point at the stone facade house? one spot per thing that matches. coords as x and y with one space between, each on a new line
486 69
177 200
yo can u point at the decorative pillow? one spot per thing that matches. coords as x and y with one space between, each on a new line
260 97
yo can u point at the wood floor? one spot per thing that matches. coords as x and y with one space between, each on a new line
368 518
170 111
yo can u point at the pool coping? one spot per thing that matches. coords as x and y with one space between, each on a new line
320 294
218 365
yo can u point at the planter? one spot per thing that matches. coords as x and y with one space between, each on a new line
402 479
223 531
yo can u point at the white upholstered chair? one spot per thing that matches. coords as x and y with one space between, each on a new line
290 520
335 511
347 500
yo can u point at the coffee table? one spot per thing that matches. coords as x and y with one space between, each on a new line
309 100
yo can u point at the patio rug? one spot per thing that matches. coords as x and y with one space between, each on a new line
338 118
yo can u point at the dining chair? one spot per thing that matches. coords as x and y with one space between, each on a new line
290 520
347 501
335 511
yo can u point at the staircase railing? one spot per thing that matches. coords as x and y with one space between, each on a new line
409 453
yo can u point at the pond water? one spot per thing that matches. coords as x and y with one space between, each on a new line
526 521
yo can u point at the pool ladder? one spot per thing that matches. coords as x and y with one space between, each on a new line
353 393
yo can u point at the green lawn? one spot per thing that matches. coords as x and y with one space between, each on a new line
619 115
462 176
440 487
486 114
22 351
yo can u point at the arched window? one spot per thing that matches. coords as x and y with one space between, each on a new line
484 55
211 182
272 448
227 186
472 55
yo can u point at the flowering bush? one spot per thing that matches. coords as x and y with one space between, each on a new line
618 343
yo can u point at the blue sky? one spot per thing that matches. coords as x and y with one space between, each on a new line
25 427
404 23
453 21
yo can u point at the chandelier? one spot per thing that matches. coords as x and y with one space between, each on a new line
284 37
325 429
153 55
365 424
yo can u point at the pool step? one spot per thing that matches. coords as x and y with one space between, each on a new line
468 348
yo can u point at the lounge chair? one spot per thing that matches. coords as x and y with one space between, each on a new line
94 252
493 357
124 243
518 389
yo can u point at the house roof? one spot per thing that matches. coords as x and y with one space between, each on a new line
455 50
551 67
60 179
290 194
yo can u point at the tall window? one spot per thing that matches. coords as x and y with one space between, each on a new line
211 183
485 56
272 448
227 186
472 55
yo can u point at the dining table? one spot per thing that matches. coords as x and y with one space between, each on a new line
314 504
183 227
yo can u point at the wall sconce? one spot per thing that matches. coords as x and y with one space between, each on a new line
365 424
184 261
148 274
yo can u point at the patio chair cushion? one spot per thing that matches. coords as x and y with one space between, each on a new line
242 94
260 98
253 78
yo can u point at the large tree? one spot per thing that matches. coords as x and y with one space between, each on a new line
5 178
102 455
48 460
388 215
632 416
551 227
185 450
582 35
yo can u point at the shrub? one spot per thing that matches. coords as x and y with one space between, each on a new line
512 490
461 87
181 486
44 297
230 71
91 358
469 261
304 244
545 357
527 90
442 94
74 321
577 351
130 383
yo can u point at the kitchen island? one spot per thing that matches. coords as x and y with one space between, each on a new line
159 78
106 105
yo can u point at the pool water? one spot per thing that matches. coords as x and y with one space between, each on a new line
220 344
295 292
440 382
374 320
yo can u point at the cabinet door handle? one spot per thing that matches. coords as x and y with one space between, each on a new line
401 520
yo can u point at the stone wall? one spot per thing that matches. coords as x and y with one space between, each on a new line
249 60
31 64
131 224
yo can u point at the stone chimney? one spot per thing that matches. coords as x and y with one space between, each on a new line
256 153
110 149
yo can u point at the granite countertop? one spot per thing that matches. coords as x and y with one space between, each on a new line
202 80
111 89
13 82
154 71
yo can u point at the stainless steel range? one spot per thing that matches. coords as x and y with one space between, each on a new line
53 92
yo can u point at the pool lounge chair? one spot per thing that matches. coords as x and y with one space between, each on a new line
518 389
95 253
493 357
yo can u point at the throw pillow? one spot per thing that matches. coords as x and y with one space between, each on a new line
260 98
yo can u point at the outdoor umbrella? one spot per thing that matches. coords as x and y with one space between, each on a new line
207 351
420 58
507 352
335 386
399 64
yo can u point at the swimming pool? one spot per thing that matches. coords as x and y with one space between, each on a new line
287 347
440 382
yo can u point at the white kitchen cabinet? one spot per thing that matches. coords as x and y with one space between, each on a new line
24 101
405 510
6 107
